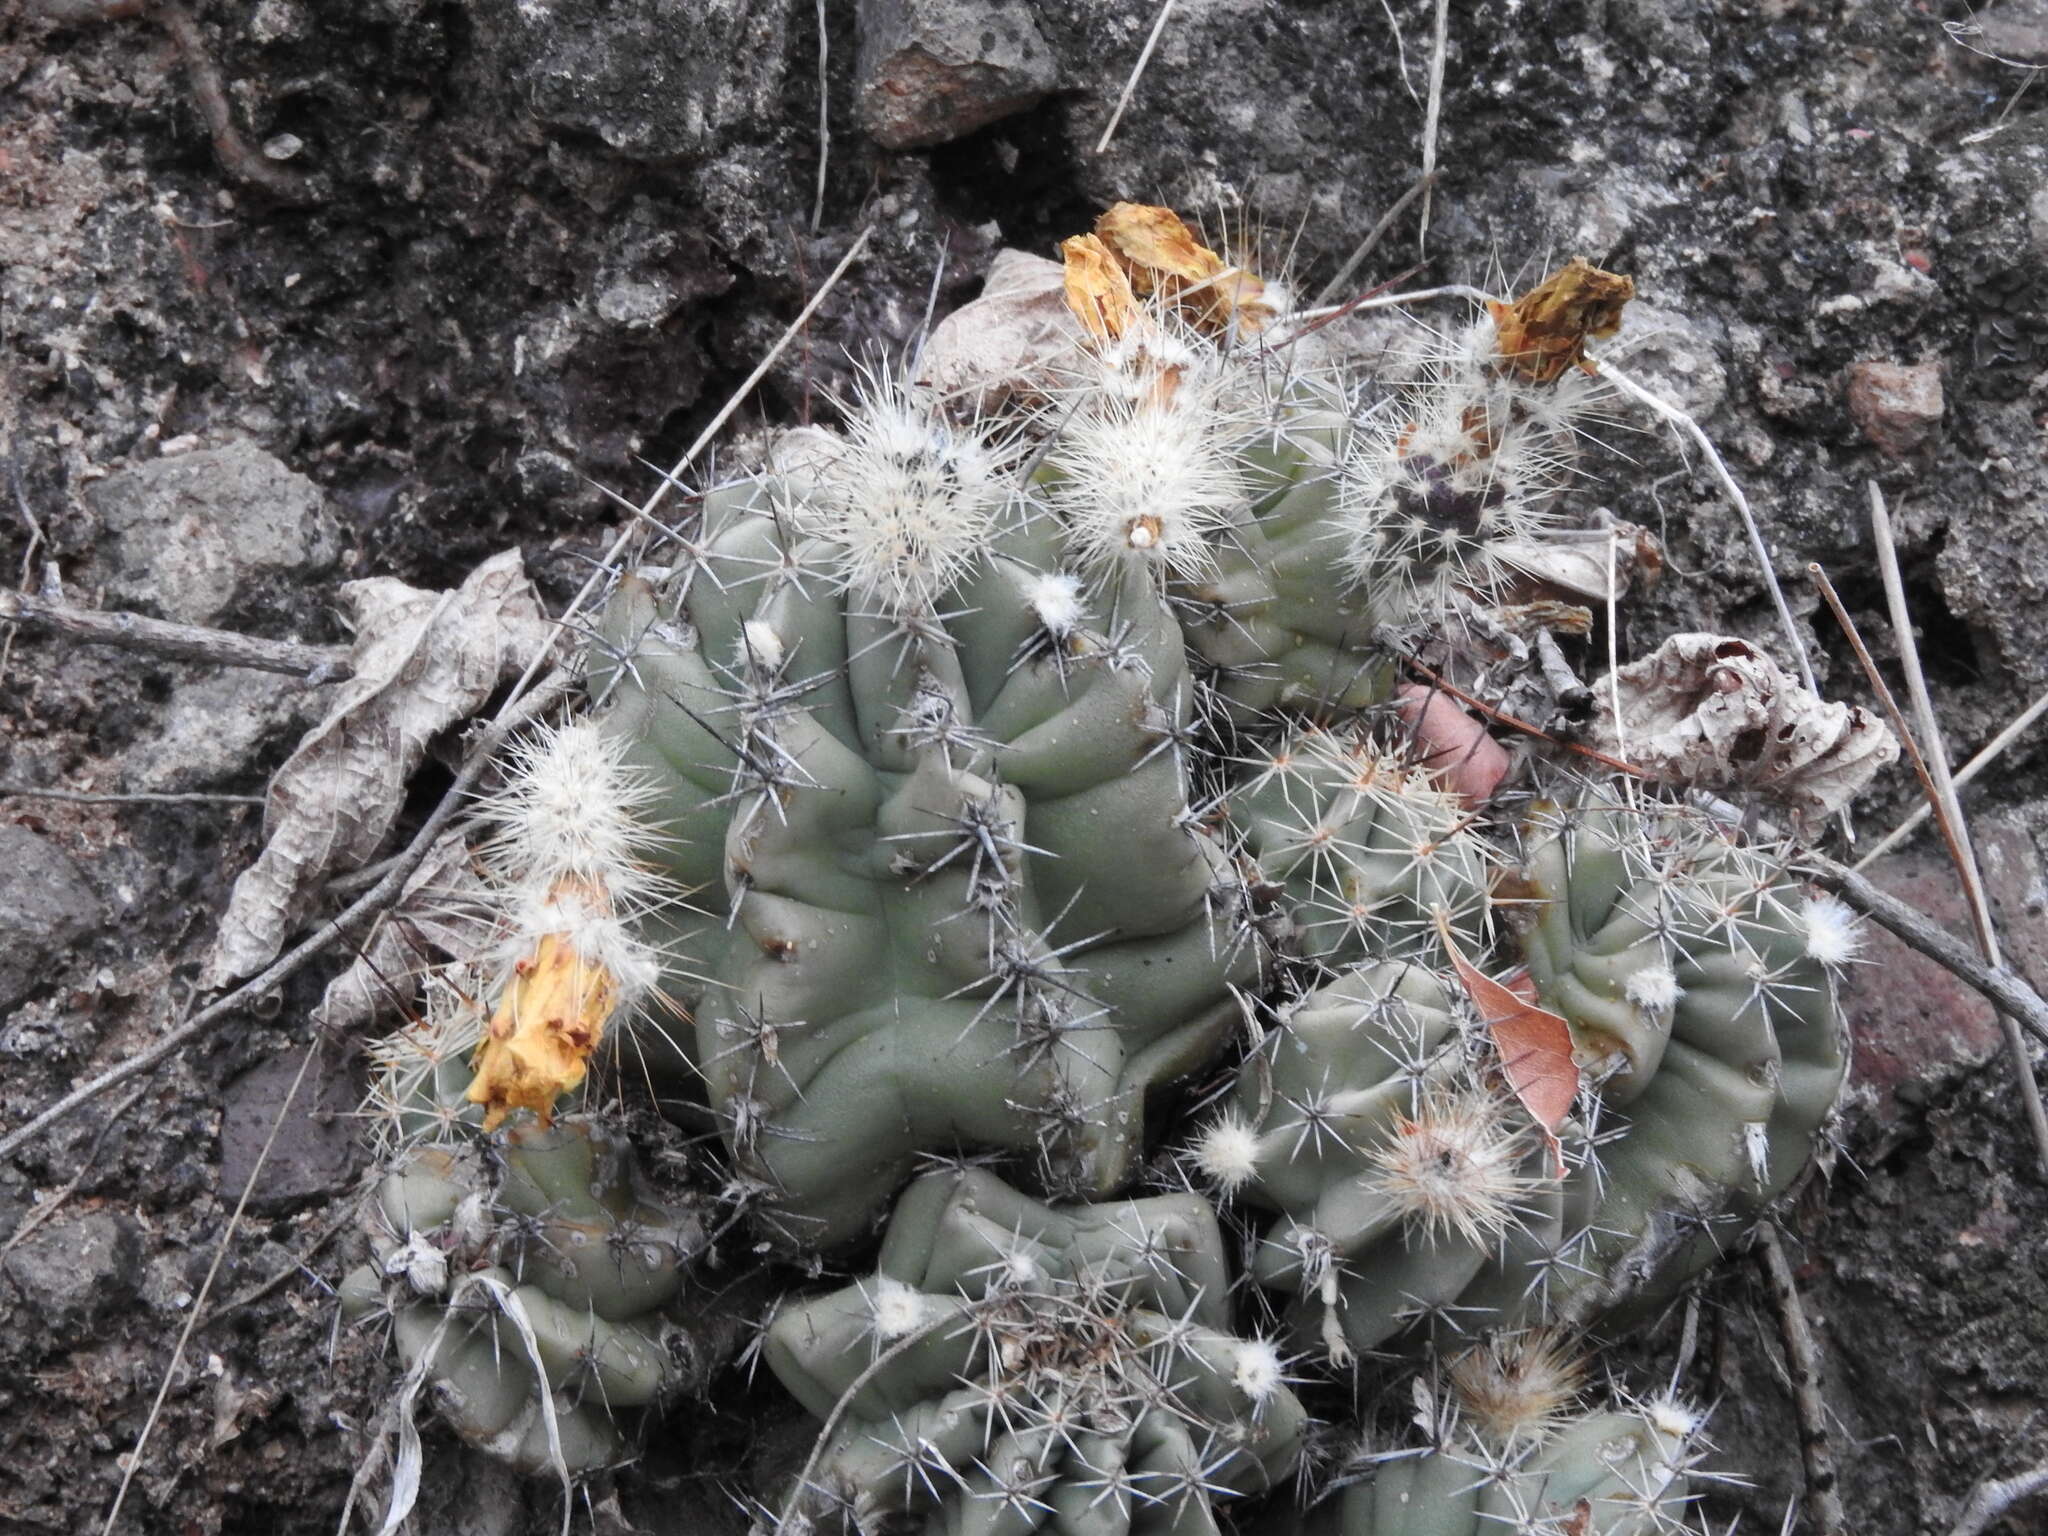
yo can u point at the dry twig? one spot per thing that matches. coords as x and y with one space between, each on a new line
1993 1497
2005 988
1955 831
180 642
1803 1365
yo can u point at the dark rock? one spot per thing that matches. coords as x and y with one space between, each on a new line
46 905
192 536
935 70
652 79
75 1271
1898 407
316 1152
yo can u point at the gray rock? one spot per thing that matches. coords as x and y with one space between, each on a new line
934 70
189 537
652 79
73 1272
217 729
46 905
315 1152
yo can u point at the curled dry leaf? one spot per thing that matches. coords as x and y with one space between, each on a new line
1535 1046
1544 331
1016 342
1711 712
423 661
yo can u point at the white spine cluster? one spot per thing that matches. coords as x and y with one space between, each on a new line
1471 456
567 853
910 501
1150 465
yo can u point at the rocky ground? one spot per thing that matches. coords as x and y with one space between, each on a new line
294 292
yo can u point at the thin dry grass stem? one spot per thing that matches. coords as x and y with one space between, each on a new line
181 642
824 121
54 1203
1988 755
1373 237
1990 1499
1906 735
1130 85
1733 491
1803 1366
801 1488
1432 118
82 797
1311 319
220 1253
1955 830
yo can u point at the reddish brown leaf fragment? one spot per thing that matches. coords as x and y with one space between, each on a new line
1535 1046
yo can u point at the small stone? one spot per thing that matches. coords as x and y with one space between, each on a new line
46 905
315 1150
190 537
1917 1027
283 146
1898 406
935 70
71 1273
218 729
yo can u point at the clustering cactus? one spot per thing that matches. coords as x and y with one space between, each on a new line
1372 853
959 786
929 778
1407 1181
531 1282
1014 1366
1699 983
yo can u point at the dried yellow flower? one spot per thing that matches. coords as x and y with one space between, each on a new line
1544 331
547 1025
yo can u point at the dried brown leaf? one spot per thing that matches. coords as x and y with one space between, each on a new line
1716 713
423 661
442 913
1535 1046
1017 341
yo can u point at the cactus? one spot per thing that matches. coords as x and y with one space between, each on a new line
1616 1473
1476 454
1018 1366
1406 1184
561 1267
928 781
1369 850
1699 983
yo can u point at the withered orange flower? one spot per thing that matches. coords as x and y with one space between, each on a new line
1544 331
1140 250
547 1025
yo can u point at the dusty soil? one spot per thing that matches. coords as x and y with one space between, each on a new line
448 269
